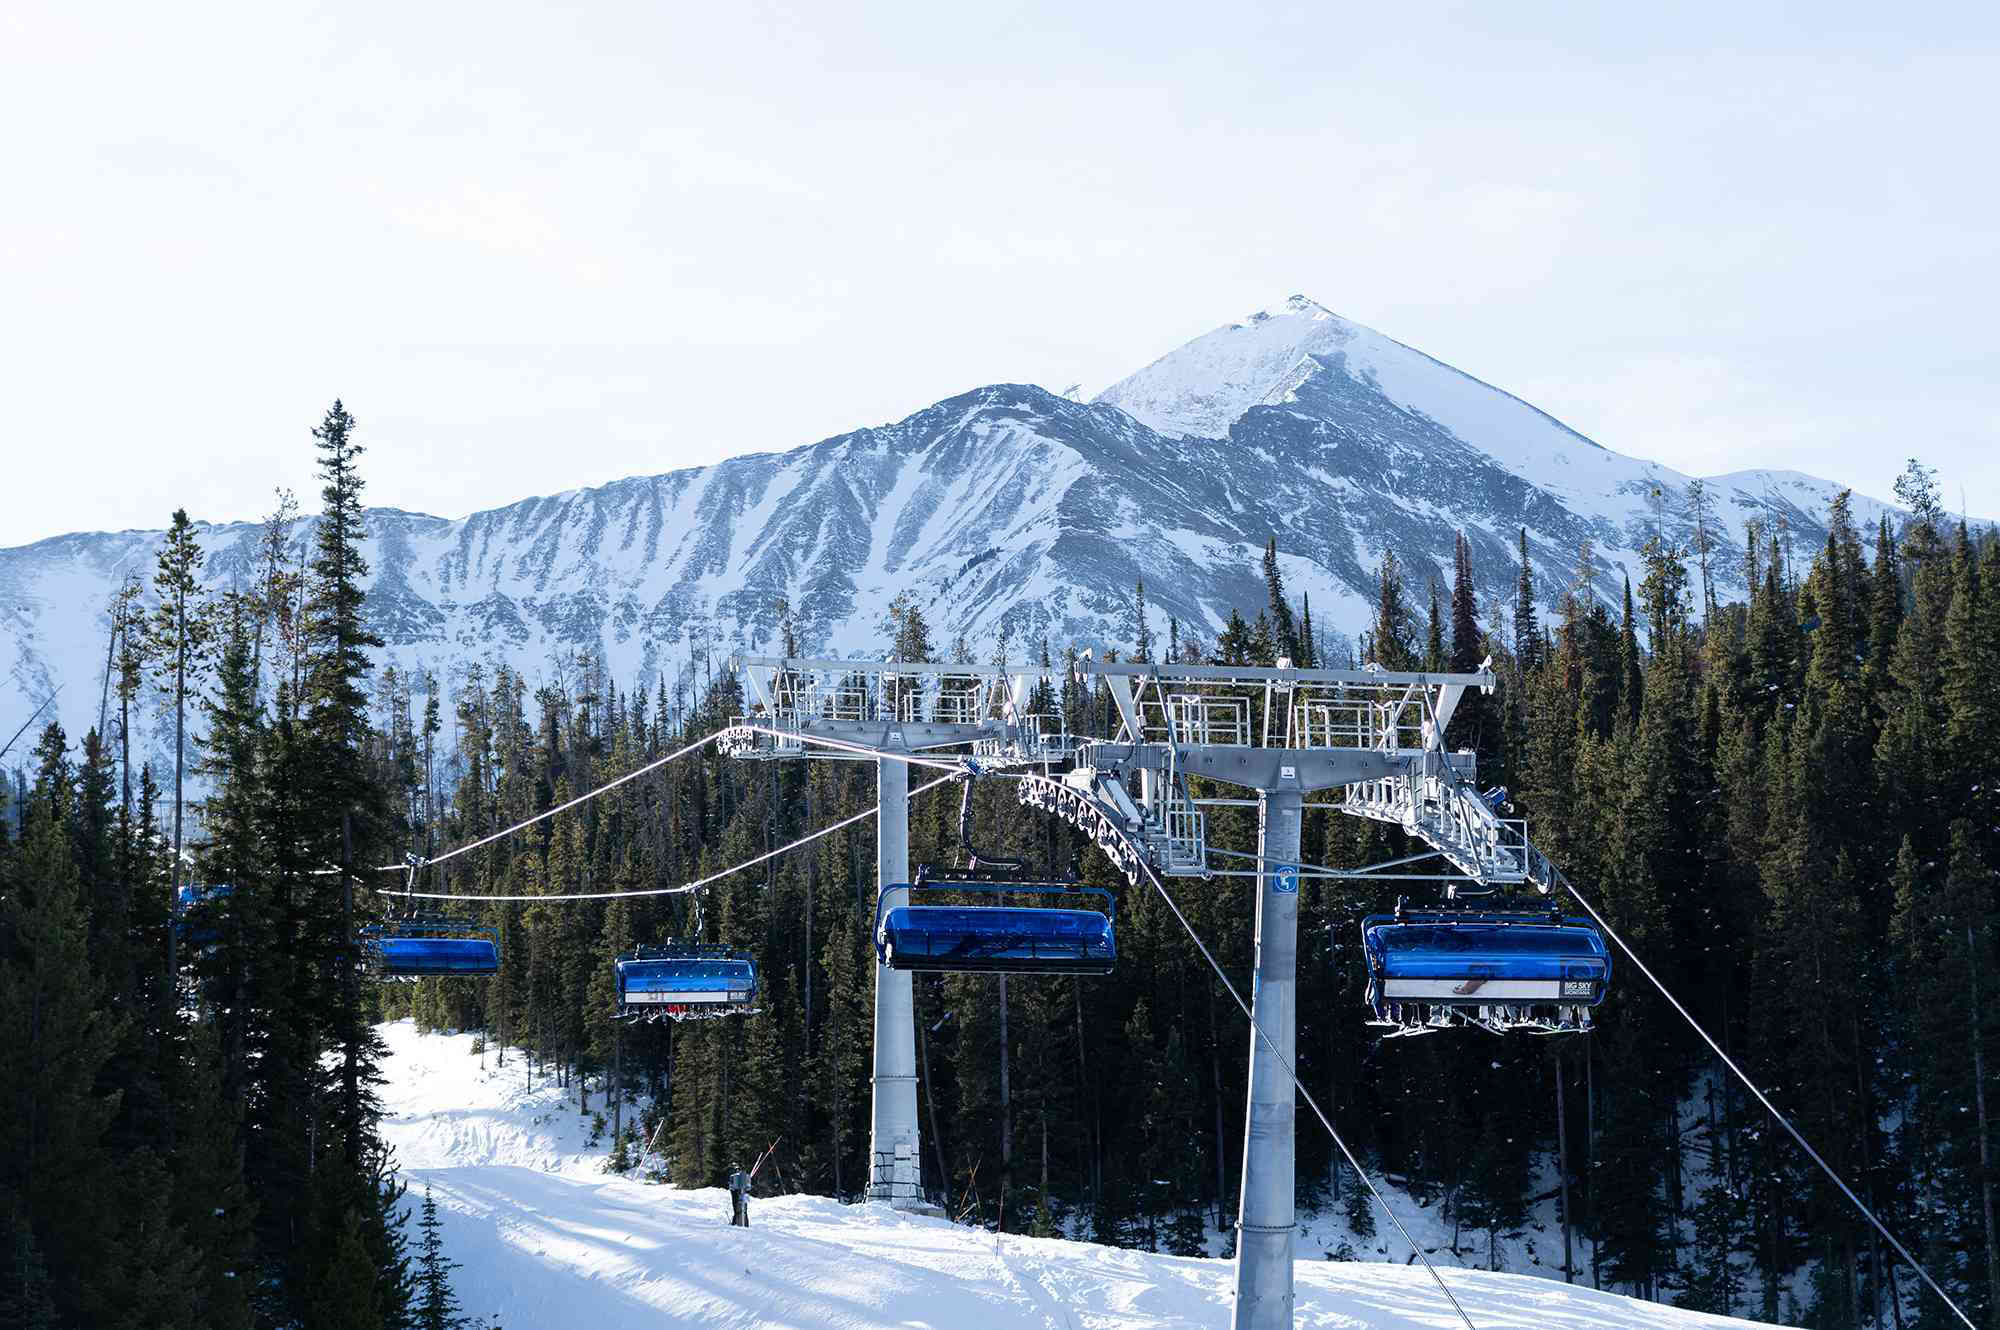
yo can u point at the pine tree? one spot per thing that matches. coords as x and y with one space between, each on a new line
1971 784
842 1051
1885 612
437 1306
1698 509
1714 1279
1394 636
1434 658
1917 490
602 1000
235 854
1776 643
55 1039
1527 624
346 1296
211 1203
177 642
1284 631
1631 682
334 709
1910 756
1359 1209
1142 629
1948 968
1466 638
152 1277
126 955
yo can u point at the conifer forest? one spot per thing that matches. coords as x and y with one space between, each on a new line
1790 808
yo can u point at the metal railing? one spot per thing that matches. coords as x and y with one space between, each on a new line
1456 821
1192 718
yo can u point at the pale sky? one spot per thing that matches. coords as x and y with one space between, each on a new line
539 247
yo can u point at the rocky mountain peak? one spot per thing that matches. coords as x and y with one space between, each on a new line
1002 510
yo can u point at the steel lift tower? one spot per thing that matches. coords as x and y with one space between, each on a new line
889 712
1283 733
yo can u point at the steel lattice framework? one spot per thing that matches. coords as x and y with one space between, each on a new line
1375 735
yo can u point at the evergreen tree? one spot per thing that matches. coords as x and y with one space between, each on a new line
1715 1277
1284 630
1631 682
1911 755
55 1038
1917 490
842 1052
436 1306
1698 510
1434 658
1885 612
347 1297
1948 966
1394 637
1359 1211
1527 623
1971 748
1466 639
177 641
1142 629
334 711
211 1203
235 855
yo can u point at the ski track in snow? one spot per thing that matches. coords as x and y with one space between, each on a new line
548 1240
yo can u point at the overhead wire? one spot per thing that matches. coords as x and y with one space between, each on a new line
563 807
1564 884
954 767
1305 1094
1770 1107
418 862
681 890
1291 1073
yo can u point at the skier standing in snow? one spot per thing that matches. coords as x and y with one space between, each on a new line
739 1197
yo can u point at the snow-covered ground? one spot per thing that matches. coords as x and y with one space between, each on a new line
547 1240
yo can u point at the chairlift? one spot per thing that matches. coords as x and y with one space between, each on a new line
686 981
195 921
1432 970
430 947
995 939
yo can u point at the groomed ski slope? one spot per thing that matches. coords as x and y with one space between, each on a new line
550 1242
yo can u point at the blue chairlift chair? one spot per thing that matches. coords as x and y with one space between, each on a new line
430 947
1429 970
686 981
196 917
996 939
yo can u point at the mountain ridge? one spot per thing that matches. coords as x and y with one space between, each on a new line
1004 508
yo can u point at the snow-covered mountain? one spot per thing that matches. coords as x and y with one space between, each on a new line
1008 506
545 1237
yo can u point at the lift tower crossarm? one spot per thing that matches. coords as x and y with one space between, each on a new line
1481 678
899 706
1314 704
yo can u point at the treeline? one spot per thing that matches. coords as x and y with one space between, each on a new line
188 1122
